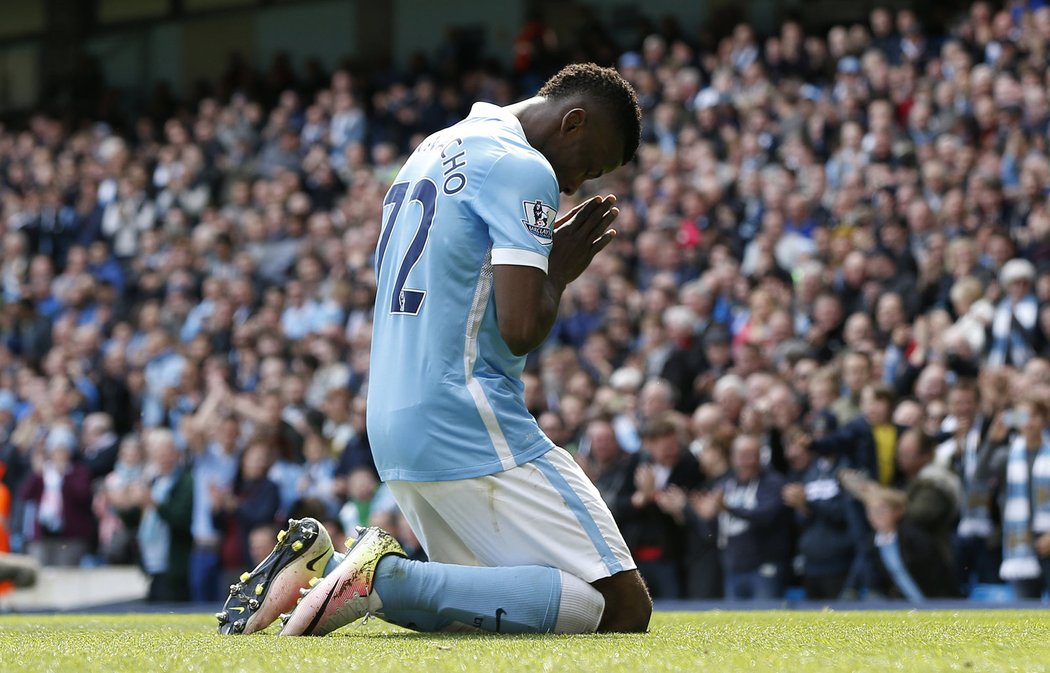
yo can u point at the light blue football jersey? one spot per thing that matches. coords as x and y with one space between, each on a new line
445 397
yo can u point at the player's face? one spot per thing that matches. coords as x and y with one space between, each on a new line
589 147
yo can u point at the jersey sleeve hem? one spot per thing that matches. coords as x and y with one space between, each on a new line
519 257
531 453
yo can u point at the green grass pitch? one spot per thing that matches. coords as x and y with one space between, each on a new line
796 642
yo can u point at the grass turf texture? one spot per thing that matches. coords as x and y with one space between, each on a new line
798 642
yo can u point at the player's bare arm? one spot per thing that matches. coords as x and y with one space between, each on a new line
527 299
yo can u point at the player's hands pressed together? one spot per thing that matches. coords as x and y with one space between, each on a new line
527 299
581 235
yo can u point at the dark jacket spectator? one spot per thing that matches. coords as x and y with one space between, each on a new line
933 492
827 535
29 334
867 442
115 397
99 444
650 529
905 560
975 449
753 525
703 562
64 528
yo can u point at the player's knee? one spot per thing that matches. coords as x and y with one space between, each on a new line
628 606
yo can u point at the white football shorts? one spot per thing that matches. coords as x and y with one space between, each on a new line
545 512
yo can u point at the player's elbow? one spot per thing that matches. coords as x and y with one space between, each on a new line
520 350
519 346
519 338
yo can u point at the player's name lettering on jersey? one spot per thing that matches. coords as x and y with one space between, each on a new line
453 160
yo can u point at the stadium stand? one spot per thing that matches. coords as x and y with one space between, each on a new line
834 249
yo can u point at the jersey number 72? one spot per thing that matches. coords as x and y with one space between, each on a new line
408 301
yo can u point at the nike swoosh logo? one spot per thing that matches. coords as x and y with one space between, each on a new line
320 613
238 609
310 565
499 613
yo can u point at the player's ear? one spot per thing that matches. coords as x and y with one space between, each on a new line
573 121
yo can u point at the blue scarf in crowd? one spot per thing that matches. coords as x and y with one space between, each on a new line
975 520
1011 327
1027 511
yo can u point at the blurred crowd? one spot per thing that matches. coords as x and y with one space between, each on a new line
816 356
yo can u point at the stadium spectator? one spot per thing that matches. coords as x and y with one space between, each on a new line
752 523
214 452
610 467
362 486
318 481
827 533
975 449
160 509
905 563
653 523
703 562
1016 333
856 374
730 394
835 211
357 452
252 501
260 543
782 410
869 442
553 425
1026 513
116 542
934 492
98 444
60 491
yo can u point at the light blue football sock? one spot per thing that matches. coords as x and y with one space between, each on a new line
333 563
438 596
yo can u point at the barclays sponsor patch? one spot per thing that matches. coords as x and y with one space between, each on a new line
539 220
